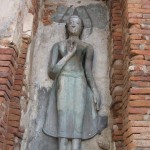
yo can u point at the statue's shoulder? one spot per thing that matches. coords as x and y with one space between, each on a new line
59 45
60 42
88 46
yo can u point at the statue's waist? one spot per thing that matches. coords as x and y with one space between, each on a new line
72 73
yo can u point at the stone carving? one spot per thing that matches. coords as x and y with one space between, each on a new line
74 101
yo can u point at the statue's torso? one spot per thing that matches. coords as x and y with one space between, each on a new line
75 64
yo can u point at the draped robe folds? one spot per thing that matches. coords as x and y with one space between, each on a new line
91 121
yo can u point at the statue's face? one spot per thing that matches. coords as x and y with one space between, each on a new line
74 26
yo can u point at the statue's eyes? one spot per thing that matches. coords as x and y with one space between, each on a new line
74 23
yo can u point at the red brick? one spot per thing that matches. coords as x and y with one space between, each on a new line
16 93
140 78
10 136
13 117
146 6
145 2
135 15
12 130
5 81
15 99
139 110
9 51
140 84
5 89
2 138
2 100
18 82
21 61
19 77
117 138
22 56
140 62
4 95
140 52
7 58
10 143
136 36
15 111
14 105
140 90
137 117
13 123
1 145
142 143
140 103
20 71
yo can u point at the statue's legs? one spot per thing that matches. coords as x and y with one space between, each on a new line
63 142
76 144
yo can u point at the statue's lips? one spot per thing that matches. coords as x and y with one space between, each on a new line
74 30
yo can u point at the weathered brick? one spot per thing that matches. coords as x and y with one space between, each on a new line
133 110
15 111
14 105
134 43
13 123
13 117
10 136
16 93
12 130
9 51
140 90
8 147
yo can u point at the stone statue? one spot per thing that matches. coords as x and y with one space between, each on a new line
74 101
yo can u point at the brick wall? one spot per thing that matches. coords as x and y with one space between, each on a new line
7 72
12 67
130 73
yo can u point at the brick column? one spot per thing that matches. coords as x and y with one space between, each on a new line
7 72
116 75
132 109
14 129
12 68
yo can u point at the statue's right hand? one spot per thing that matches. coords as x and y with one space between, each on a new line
71 48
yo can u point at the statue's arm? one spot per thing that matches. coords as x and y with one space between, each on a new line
90 78
88 68
55 65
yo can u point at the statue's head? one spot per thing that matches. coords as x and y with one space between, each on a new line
74 26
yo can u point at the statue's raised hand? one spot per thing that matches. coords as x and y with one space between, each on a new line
71 47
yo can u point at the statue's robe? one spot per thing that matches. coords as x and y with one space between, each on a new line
92 123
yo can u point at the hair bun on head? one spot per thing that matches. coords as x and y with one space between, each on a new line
75 16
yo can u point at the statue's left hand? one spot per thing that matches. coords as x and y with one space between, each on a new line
97 99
